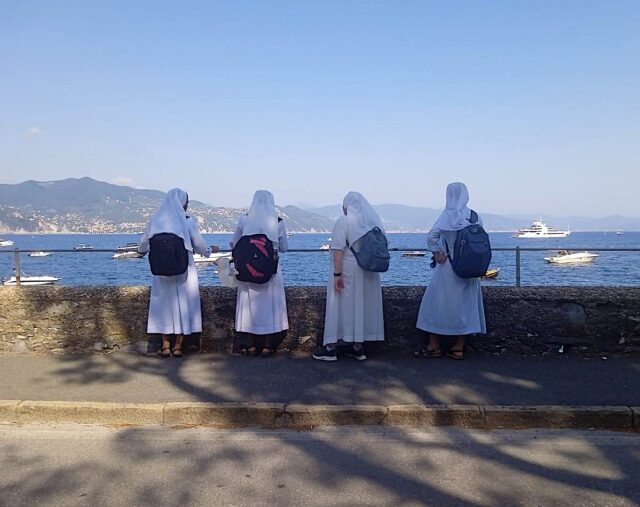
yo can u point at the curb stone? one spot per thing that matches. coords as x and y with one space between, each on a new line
550 416
434 415
336 415
9 410
89 412
280 415
267 415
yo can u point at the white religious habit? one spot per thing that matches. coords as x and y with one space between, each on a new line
354 314
174 307
451 305
262 308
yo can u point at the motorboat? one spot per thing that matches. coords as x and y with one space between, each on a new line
619 233
82 247
567 257
198 259
540 230
325 246
6 242
414 253
31 280
39 254
491 273
127 254
129 247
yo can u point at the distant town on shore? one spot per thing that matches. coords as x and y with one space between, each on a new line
85 205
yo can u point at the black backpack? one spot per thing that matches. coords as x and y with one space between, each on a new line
472 250
255 259
167 255
372 251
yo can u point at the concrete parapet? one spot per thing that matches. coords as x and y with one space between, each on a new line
279 415
521 321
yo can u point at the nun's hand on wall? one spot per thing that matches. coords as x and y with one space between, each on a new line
440 257
338 283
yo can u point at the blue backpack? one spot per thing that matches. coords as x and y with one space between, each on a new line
372 252
472 250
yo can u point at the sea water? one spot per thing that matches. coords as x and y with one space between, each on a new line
313 268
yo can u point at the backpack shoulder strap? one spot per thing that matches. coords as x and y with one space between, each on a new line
474 217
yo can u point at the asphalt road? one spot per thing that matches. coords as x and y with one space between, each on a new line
83 465
125 377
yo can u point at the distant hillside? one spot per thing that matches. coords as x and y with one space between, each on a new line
87 205
401 218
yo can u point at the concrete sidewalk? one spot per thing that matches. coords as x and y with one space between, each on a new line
287 384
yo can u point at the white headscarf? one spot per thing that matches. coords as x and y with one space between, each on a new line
455 215
361 217
262 217
171 217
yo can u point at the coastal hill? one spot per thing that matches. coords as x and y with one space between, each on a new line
87 205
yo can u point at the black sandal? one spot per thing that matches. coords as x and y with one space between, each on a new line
252 351
177 352
267 352
165 353
428 353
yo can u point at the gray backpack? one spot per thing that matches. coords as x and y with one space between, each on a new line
371 251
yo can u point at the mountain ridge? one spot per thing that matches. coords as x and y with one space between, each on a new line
77 205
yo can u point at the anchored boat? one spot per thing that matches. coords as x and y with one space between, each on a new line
567 257
31 280
540 230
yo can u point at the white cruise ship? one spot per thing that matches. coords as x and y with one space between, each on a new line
540 230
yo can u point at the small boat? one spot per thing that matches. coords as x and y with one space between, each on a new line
414 253
567 257
129 247
325 246
619 233
39 254
127 254
6 242
198 259
31 280
491 273
83 247
540 230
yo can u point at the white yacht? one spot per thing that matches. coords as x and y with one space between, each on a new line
540 230
567 257
6 242
31 280
39 254
197 258
325 246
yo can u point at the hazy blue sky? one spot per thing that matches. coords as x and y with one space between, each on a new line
535 105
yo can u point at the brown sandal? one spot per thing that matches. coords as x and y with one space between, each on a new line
165 353
457 354
428 353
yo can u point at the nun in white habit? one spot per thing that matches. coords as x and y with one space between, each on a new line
451 306
354 297
174 308
261 309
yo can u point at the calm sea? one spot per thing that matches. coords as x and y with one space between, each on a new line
97 268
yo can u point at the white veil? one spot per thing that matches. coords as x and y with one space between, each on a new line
361 217
262 217
171 217
454 216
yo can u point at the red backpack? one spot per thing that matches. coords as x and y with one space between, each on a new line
255 259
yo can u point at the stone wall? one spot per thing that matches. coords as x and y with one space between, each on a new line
525 321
